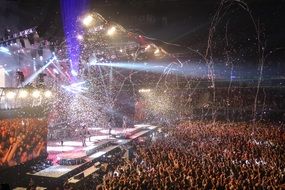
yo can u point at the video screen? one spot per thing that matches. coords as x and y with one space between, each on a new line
22 140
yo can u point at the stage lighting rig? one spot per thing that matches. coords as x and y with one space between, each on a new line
10 38
23 94
24 97
111 31
36 93
10 95
87 20
79 37
144 90
47 93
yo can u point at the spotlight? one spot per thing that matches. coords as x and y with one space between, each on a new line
74 73
55 71
147 47
144 90
5 50
157 52
23 94
36 93
79 37
48 94
87 20
10 95
111 31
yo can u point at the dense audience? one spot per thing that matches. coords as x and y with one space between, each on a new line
21 140
206 156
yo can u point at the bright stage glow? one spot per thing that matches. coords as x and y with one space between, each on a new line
71 143
62 169
36 74
59 148
48 94
79 37
74 73
5 50
99 137
77 84
89 147
157 52
87 20
144 90
75 87
147 47
55 71
192 69
111 31
97 154
36 93
23 94
94 128
10 95
113 132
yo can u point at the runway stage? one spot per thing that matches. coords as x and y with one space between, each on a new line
72 158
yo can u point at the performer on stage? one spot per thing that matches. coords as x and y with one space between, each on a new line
89 135
110 126
124 122
83 134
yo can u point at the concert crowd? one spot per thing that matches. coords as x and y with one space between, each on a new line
21 140
203 155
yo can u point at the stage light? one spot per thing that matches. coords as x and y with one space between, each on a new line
157 52
41 58
5 50
23 94
10 95
55 71
147 47
74 73
144 90
79 37
36 74
36 93
87 20
111 31
48 94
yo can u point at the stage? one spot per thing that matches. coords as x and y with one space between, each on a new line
71 158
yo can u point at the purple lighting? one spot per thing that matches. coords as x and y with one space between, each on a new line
70 11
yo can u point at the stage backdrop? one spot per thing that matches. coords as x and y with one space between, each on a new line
22 140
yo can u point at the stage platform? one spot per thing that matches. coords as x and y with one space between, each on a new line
98 145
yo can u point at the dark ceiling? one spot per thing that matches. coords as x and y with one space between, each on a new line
180 21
